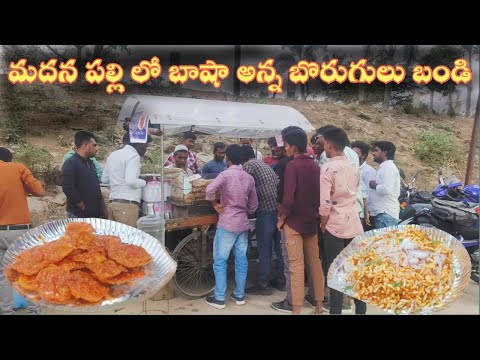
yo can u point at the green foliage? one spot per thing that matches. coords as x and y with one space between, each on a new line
451 112
12 129
408 108
442 55
434 148
38 160
61 119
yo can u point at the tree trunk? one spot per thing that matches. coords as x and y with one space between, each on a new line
387 96
290 89
236 82
79 63
302 92
362 93
431 99
97 52
450 106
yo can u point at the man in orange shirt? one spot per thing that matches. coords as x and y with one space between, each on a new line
16 182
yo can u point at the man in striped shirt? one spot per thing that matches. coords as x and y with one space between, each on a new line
266 182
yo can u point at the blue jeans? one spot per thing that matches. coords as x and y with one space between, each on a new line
223 243
384 220
267 237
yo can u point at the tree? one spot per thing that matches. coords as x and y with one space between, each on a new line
389 54
442 55
368 51
471 53
293 54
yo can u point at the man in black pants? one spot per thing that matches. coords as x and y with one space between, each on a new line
340 221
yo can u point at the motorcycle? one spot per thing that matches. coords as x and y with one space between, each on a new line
449 189
411 199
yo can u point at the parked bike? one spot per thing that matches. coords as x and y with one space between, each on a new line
453 210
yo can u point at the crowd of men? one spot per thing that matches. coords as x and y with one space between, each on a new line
309 203
308 208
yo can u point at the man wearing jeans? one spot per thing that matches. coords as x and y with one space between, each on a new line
266 182
15 183
340 221
385 189
238 199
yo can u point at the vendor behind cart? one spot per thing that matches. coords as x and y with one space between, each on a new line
180 159
189 139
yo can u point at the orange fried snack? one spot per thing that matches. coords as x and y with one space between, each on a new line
130 256
52 285
55 251
70 265
80 268
125 277
27 282
89 257
78 228
84 287
30 261
106 269
11 274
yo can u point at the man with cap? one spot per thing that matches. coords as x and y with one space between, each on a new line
192 159
180 159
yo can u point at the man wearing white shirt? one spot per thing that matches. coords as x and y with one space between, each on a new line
122 172
367 173
383 199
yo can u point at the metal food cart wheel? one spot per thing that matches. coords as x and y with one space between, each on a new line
194 257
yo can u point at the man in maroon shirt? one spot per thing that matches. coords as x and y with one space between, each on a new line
299 218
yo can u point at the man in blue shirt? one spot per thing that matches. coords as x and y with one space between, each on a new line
214 167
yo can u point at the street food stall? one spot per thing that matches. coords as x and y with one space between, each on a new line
193 218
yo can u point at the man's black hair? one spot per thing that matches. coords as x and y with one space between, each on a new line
386 146
324 128
247 153
5 154
363 146
83 137
271 141
234 153
298 138
218 145
189 135
337 137
290 128
321 131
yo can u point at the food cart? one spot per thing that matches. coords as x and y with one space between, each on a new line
196 221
